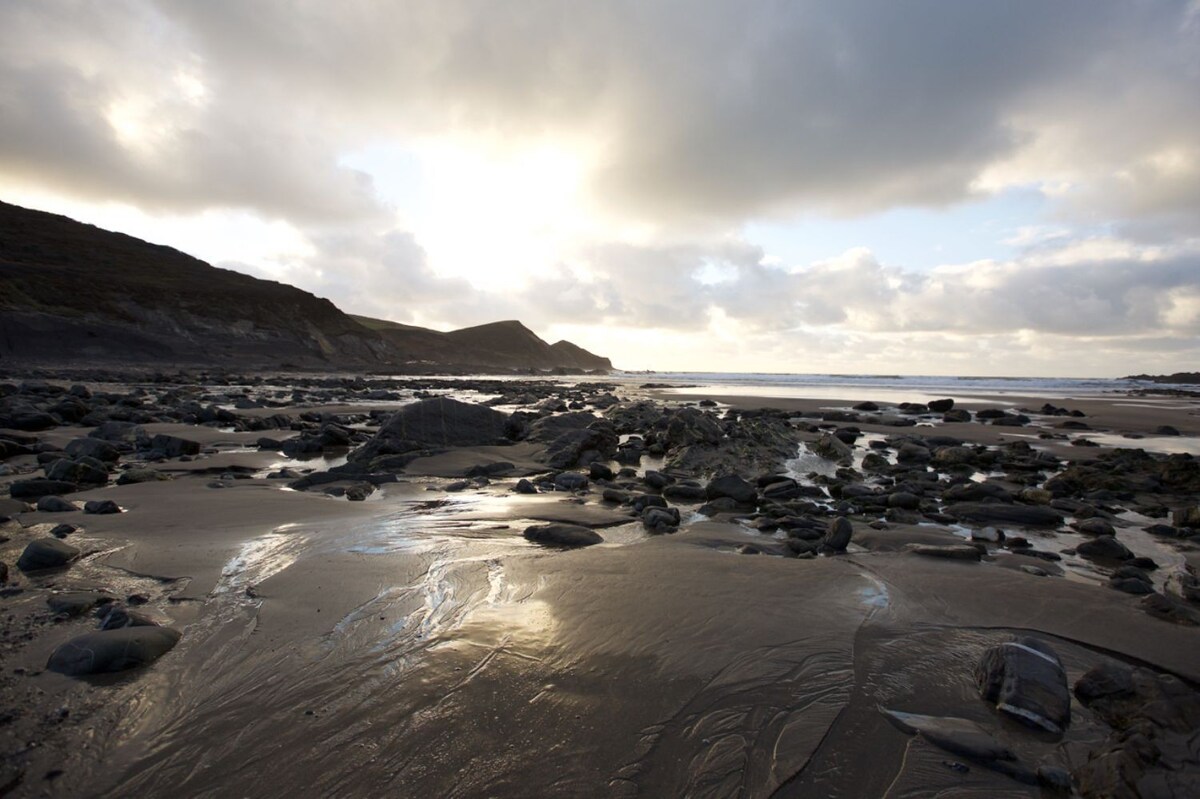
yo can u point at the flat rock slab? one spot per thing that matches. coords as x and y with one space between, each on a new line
960 736
112 650
1004 513
563 535
947 551
459 461
550 508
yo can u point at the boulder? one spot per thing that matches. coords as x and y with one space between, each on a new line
174 446
562 535
1104 547
53 504
831 448
1005 514
435 422
1025 679
660 520
959 736
1094 526
93 448
132 476
941 405
46 553
838 534
734 487
112 650
38 487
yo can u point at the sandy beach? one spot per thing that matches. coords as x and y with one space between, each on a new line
417 643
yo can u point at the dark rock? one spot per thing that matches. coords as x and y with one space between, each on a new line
570 481
660 520
600 471
734 487
1104 547
46 553
435 422
63 530
174 446
523 486
562 535
114 616
93 448
112 650
1006 514
101 506
831 448
838 534
685 492
957 415
53 504
80 472
1094 526
782 490
866 406
132 476
960 736
39 487
941 405
1170 610
904 500
1025 679
75 603
948 551
1129 585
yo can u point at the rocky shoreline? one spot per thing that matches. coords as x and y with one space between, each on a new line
523 549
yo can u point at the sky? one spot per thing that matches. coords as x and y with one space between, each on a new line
925 187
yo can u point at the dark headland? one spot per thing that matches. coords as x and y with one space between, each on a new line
237 560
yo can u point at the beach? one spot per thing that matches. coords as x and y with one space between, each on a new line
362 608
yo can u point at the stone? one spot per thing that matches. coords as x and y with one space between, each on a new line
941 405
112 650
101 506
133 476
37 488
53 504
948 551
1104 547
1094 526
734 487
600 471
174 446
685 492
75 603
435 422
660 520
46 553
1025 679
831 448
838 534
114 616
562 535
93 448
1006 514
957 735
523 486
904 500
570 481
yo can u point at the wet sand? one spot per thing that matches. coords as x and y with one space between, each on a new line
416 645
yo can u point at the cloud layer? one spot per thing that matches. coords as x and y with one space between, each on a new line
689 120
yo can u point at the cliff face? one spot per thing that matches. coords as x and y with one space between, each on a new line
74 293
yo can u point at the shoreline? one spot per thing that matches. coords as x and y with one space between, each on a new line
417 642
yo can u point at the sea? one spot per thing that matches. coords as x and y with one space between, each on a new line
887 388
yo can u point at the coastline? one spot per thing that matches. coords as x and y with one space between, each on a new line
416 642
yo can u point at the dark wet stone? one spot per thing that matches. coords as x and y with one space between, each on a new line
55 504
562 535
831 448
63 530
941 405
37 488
101 506
1129 585
1105 681
838 534
1104 547
132 476
957 735
112 650
948 551
76 603
660 520
570 481
1003 513
1025 679
903 500
1094 526
1054 778
114 616
174 446
1170 610
685 492
360 491
46 553
523 486
93 448
734 487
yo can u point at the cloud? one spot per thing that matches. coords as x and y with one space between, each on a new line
695 112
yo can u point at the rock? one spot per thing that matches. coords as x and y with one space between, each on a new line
114 616
948 551
1104 547
1181 517
960 736
685 492
941 405
84 471
989 534
782 490
359 492
1054 778
831 448
562 535
1129 585
904 500
570 481
63 530
957 415
866 406
660 520
75 603
53 504
132 476
1105 681
93 448
174 446
1025 679
435 422
1094 526
1005 514
523 486
910 452
46 553
112 650
734 487
1170 610
600 471
1166 430
101 506
838 534
39 487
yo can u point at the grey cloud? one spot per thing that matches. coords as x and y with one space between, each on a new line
709 112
